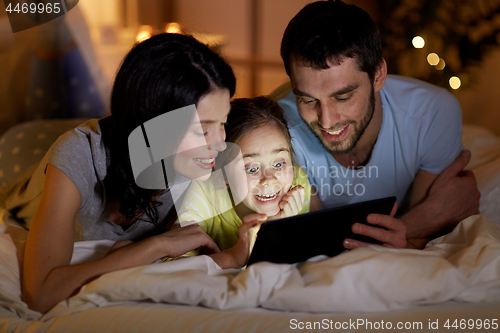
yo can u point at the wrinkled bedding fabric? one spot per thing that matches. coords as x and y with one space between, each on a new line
461 266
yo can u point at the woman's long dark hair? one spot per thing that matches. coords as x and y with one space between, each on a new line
161 74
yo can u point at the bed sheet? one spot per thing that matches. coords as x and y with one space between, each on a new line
149 317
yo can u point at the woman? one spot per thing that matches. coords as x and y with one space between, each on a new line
89 190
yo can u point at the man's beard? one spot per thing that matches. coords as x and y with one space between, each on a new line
335 148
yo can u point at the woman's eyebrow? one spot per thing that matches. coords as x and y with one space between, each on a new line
209 121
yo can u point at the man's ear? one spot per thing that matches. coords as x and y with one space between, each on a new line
380 76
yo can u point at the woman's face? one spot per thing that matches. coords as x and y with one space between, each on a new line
268 167
205 138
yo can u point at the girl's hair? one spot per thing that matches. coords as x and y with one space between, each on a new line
250 113
161 74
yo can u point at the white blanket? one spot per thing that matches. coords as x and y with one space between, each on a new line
461 266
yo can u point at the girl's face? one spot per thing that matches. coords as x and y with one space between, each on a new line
205 137
269 169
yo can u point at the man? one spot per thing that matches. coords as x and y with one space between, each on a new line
361 134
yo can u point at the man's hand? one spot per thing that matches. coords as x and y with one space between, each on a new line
394 234
453 196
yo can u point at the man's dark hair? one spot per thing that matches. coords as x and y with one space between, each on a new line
327 31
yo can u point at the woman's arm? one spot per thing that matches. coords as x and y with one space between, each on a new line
47 276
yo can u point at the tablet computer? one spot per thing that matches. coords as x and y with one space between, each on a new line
298 238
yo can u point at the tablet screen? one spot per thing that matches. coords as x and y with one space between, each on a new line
298 238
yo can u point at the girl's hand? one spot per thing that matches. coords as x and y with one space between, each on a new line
237 256
291 204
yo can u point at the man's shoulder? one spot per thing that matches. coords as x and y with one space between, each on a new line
403 83
417 99
287 101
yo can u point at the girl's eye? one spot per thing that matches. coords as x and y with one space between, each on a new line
278 165
251 170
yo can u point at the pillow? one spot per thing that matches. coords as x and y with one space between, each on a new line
25 144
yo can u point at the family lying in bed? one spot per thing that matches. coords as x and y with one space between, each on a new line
345 113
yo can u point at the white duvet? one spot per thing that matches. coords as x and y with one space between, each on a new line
462 266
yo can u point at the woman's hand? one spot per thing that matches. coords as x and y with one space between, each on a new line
394 234
237 256
291 204
182 240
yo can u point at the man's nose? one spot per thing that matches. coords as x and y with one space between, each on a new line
328 115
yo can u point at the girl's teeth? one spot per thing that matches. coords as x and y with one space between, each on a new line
335 132
207 161
267 197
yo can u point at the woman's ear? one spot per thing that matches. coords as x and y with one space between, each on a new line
380 76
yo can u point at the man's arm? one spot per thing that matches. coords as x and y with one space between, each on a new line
439 202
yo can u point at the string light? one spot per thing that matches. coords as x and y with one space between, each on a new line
418 42
455 82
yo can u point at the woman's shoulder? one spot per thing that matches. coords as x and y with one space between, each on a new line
80 154
80 135
83 143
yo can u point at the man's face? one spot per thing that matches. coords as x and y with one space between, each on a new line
337 103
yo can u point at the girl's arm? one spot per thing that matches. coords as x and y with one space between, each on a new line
237 256
47 276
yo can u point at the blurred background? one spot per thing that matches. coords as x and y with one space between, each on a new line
65 68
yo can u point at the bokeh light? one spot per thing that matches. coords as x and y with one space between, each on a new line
441 64
433 59
144 33
455 82
173 28
418 42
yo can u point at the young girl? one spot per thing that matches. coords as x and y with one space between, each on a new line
275 187
84 188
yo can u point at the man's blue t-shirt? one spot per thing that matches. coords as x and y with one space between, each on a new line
421 130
